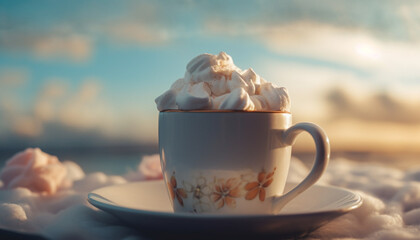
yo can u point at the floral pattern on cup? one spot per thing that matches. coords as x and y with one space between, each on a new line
200 192
175 191
225 192
218 193
258 187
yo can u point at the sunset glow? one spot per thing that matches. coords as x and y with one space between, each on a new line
368 51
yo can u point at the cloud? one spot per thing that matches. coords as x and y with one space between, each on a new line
72 46
73 36
85 109
82 108
142 23
342 92
387 19
142 34
75 47
355 135
27 126
378 107
308 84
337 34
30 123
324 42
12 78
329 42
45 104
58 115
60 34
355 113
409 13
378 121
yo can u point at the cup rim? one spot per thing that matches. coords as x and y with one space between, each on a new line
219 111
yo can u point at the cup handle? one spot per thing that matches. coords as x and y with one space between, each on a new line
322 157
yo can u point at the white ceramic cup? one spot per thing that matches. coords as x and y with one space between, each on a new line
231 162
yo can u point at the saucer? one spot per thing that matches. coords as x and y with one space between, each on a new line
146 207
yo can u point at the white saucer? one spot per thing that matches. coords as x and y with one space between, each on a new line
145 206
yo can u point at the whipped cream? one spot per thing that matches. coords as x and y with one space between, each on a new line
214 82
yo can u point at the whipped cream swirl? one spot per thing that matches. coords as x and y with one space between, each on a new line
214 82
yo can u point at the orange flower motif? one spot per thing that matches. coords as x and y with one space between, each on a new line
176 192
258 187
225 193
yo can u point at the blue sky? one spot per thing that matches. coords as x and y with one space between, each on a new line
71 72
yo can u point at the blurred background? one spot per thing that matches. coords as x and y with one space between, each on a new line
79 78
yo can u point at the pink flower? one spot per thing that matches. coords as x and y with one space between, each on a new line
35 170
150 167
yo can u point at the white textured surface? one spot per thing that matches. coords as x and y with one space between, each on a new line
391 208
